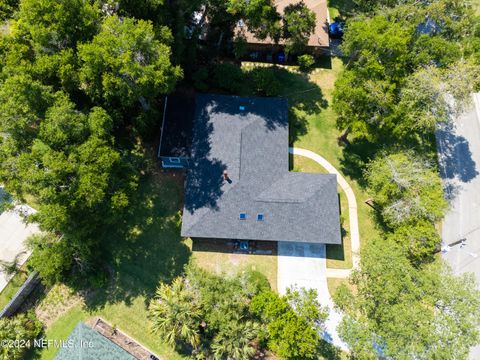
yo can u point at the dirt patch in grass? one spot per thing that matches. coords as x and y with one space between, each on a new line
58 301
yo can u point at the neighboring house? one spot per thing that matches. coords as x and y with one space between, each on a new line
318 41
86 343
238 184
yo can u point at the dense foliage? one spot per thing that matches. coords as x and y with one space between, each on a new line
410 66
235 317
403 62
408 312
77 86
21 329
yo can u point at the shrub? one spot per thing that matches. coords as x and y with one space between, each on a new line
228 77
23 327
306 61
240 47
200 78
265 81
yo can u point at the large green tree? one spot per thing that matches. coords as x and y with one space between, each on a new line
126 63
293 322
406 188
260 16
402 63
70 165
298 24
54 25
407 312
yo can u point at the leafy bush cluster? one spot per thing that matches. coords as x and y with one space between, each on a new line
23 328
235 318
262 81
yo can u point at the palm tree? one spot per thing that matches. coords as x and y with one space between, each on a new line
235 341
175 313
10 268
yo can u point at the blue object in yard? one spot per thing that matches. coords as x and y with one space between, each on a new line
335 29
242 108
243 245
281 57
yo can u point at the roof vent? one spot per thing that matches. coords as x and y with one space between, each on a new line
260 217
243 216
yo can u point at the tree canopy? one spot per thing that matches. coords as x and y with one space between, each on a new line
234 318
407 312
298 24
125 63
406 188
403 62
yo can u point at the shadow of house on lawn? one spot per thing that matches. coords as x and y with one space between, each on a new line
146 247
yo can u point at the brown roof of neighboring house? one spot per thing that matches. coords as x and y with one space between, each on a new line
318 38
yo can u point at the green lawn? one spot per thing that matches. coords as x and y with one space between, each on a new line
229 263
11 289
144 249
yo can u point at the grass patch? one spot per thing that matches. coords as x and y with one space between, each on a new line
229 263
305 165
334 283
340 8
142 249
12 287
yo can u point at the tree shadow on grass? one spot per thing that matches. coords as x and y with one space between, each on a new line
146 247
346 8
356 156
304 97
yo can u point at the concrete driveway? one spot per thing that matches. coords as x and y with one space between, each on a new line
305 265
458 147
13 233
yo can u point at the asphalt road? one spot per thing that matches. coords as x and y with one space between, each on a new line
458 147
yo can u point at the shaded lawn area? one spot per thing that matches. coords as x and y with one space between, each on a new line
229 263
340 8
334 283
145 248
12 287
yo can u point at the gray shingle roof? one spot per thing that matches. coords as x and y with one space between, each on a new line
252 146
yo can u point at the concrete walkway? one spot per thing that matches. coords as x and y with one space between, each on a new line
304 265
352 210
